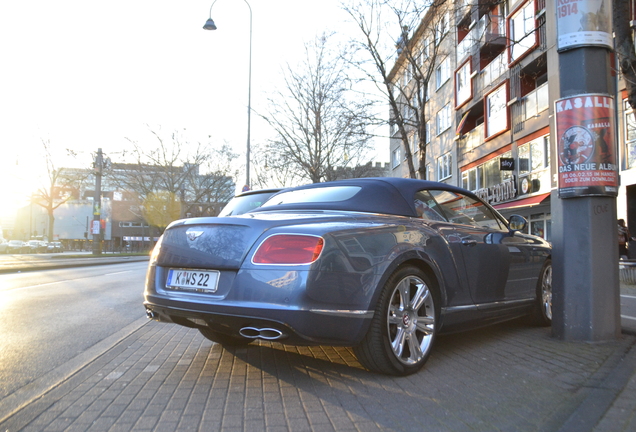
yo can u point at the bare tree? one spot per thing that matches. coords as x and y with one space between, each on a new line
320 122
60 186
404 84
171 182
271 170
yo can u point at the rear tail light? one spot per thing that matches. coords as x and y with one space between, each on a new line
288 249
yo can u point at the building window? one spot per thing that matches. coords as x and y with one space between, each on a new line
444 166
443 119
396 157
441 28
429 132
534 156
442 73
413 139
486 175
394 128
522 31
630 134
496 111
408 76
540 225
463 87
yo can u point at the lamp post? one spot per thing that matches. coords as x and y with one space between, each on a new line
209 25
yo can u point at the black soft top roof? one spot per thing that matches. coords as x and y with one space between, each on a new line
385 195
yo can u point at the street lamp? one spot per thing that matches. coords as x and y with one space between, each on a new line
209 25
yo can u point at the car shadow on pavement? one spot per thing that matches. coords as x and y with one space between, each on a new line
497 376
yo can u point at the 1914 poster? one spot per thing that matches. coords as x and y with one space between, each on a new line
585 145
584 23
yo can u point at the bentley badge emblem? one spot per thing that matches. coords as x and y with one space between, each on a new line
193 234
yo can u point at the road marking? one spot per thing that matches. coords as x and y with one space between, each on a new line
62 281
34 286
628 317
628 296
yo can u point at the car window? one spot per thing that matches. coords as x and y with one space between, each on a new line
314 195
427 208
242 204
465 210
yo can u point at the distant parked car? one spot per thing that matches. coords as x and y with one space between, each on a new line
247 201
4 245
35 246
54 247
17 247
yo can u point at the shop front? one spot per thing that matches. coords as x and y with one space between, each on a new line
516 180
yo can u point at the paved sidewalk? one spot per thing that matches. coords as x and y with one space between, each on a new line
510 377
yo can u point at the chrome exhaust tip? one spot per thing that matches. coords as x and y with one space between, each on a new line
261 333
150 314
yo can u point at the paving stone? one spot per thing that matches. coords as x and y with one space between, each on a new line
509 377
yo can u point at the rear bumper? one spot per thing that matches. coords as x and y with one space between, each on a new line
296 327
271 298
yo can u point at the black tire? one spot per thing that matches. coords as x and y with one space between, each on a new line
542 315
402 331
223 339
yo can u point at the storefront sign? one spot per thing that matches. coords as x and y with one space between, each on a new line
587 160
504 191
584 23
506 164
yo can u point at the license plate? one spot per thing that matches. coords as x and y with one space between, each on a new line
193 280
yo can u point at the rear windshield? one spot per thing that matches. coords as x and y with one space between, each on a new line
242 204
314 195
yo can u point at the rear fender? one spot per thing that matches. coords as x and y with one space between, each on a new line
419 259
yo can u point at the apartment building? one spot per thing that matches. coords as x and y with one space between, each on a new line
487 113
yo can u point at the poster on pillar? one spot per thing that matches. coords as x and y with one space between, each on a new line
585 146
584 23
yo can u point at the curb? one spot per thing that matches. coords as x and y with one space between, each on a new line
69 263
35 389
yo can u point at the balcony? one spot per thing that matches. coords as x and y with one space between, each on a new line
464 48
492 33
494 70
536 102
471 140
490 76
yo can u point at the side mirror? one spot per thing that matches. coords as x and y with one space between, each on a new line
517 223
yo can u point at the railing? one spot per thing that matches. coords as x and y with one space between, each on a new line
535 102
627 272
472 139
490 29
494 70
464 48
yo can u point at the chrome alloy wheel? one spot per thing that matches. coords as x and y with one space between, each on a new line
546 291
411 320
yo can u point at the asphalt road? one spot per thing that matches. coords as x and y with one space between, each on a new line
49 317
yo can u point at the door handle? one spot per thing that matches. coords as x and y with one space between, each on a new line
469 242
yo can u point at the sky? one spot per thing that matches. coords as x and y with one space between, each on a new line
83 75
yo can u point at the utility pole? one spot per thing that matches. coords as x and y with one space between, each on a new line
586 301
96 229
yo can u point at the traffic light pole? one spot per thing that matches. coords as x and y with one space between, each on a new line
96 229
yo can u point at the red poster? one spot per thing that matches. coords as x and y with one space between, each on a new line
585 146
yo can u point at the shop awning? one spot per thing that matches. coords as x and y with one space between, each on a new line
461 124
526 202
